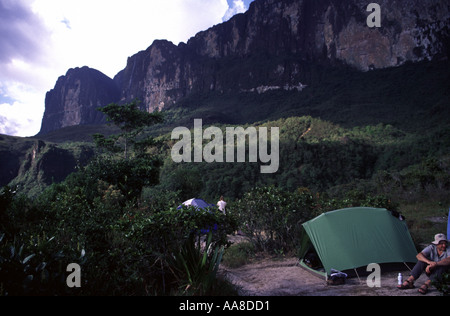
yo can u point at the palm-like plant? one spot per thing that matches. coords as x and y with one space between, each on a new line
196 265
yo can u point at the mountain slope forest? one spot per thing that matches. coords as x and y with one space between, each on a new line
349 126
107 197
73 200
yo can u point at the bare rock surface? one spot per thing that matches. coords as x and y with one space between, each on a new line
285 277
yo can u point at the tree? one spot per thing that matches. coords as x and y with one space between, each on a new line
136 170
132 122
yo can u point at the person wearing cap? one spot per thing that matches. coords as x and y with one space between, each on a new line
434 260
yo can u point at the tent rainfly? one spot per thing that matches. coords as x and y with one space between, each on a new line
197 203
351 238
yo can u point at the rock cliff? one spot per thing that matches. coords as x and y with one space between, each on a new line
263 49
32 164
76 97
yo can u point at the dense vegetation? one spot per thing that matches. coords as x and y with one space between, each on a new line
96 219
118 218
327 158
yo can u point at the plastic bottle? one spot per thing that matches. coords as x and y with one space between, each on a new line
400 279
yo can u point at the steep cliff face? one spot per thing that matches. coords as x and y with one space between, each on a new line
411 30
269 47
153 76
76 97
32 164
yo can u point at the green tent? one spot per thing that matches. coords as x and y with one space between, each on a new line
356 237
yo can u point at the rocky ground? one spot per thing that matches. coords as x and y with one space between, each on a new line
285 277
275 277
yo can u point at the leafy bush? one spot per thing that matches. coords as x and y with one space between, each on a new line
239 254
129 249
34 269
6 198
443 285
272 217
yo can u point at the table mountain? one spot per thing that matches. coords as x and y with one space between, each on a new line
268 47
76 97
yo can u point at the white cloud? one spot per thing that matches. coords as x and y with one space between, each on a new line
23 116
102 33
237 6
57 35
21 32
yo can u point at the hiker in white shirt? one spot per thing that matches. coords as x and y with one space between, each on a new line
222 205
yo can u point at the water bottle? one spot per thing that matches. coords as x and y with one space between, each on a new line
400 279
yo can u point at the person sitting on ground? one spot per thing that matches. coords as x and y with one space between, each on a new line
222 205
434 260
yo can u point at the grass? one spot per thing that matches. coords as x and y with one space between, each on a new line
425 219
238 254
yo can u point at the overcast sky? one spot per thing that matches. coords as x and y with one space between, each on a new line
41 39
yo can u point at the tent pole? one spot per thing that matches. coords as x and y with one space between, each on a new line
407 266
357 275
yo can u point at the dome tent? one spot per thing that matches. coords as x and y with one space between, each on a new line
352 238
197 203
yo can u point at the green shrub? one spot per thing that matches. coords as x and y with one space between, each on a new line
239 254
34 269
272 217
443 285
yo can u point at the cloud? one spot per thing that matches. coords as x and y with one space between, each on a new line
8 127
21 32
235 7
13 122
41 39
66 22
23 58
102 34
22 109
4 97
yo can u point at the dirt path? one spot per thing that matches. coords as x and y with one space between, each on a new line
272 277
